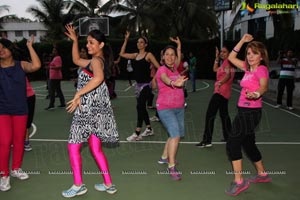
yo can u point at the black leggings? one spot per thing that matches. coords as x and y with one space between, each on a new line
216 103
243 135
142 113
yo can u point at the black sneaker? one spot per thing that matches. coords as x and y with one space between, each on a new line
204 144
49 108
61 106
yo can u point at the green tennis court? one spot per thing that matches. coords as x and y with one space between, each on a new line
206 173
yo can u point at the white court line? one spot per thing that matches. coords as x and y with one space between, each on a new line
287 111
33 130
163 142
129 87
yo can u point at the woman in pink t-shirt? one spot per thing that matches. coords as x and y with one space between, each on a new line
254 84
170 105
219 100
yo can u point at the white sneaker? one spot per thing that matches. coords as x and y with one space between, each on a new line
277 106
20 174
154 119
134 137
147 132
290 108
4 183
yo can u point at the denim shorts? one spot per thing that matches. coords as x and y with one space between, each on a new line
173 121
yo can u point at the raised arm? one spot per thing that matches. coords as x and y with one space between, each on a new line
217 60
71 33
233 54
178 43
35 63
122 53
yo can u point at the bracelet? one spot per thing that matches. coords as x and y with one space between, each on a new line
257 94
234 50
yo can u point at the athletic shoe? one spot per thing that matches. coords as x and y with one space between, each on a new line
19 173
103 188
61 106
27 147
236 189
204 144
147 132
134 137
154 119
290 108
75 191
49 108
174 173
259 179
163 161
5 183
277 106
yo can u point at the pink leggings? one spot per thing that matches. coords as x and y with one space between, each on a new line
95 145
12 132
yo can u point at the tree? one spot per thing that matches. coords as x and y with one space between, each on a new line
138 16
52 15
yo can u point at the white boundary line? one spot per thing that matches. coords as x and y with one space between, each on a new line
33 130
163 142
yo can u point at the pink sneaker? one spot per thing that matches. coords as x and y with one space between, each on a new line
236 189
174 173
259 179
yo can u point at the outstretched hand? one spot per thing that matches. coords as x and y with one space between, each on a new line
247 38
71 33
175 39
31 41
127 34
73 104
180 81
217 52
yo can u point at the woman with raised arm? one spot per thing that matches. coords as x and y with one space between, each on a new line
93 119
170 105
254 84
219 101
141 72
13 109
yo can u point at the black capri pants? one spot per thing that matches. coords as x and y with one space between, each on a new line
31 106
242 135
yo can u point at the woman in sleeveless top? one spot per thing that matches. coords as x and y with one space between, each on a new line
93 119
141 70
13 109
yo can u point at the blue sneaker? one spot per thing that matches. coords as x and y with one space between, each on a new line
236 189
103 188
163 161
74 191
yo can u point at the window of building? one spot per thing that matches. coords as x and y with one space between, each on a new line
32 33
19 33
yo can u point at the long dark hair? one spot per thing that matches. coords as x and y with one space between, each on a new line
107 51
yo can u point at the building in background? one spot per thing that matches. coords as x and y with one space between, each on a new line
16 31
259 21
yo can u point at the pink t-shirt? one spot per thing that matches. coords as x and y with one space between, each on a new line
168 97
250 82
225 89
55 68
29 91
